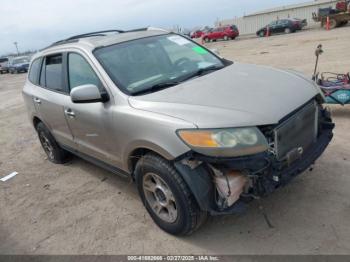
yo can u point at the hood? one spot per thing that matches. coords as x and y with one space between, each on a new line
238 95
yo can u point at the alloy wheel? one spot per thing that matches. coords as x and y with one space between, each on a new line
45 142
159 197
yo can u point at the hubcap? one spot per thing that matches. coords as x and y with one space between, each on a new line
160 198
46 145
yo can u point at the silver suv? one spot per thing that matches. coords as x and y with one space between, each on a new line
199 134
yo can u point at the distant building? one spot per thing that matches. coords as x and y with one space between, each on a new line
249 24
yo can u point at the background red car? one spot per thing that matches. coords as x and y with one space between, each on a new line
225 33
197 34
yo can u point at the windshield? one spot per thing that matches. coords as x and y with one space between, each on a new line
140 65
20 60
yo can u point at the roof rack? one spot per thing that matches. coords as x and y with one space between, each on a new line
97 33
76 38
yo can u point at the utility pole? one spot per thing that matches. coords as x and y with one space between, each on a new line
16 45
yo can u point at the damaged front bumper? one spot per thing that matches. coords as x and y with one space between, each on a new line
264 171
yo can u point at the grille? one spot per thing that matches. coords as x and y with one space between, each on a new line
298 131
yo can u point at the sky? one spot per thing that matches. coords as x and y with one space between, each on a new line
34 24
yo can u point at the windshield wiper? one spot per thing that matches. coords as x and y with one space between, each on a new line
202 71
156 87
164 85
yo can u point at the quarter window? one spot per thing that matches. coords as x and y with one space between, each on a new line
80 72
34 71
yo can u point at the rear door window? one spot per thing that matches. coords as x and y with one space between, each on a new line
34 71
53 73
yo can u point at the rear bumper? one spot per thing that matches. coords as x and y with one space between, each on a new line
265 172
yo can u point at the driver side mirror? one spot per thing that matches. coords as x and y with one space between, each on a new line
86 94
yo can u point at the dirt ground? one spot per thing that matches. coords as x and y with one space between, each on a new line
82 209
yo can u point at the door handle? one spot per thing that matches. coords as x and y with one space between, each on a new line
37 100
69 112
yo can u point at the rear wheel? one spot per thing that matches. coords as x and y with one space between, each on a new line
343 23
166 196
53 151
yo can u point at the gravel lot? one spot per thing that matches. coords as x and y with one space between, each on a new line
81 209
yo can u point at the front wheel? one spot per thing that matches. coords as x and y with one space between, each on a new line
166 196
332 24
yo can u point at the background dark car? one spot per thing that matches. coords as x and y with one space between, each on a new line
4 65
224 32
19 64
280 26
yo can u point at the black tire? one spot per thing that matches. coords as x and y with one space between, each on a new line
57 155
333 23
189 216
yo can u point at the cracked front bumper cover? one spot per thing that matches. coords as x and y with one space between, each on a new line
266 172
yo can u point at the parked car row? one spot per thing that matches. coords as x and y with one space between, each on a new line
230 32
15 65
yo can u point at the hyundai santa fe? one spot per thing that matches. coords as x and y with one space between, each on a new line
200 135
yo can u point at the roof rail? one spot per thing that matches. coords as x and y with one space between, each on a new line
97 33
76 38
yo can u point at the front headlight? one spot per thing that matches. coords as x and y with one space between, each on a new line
230 142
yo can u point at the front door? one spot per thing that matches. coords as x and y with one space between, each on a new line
273 27
280 26
88 122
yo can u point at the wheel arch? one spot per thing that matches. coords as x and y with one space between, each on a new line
136 153
36 120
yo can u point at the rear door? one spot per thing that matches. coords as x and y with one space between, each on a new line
51 97
215 33
88 122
